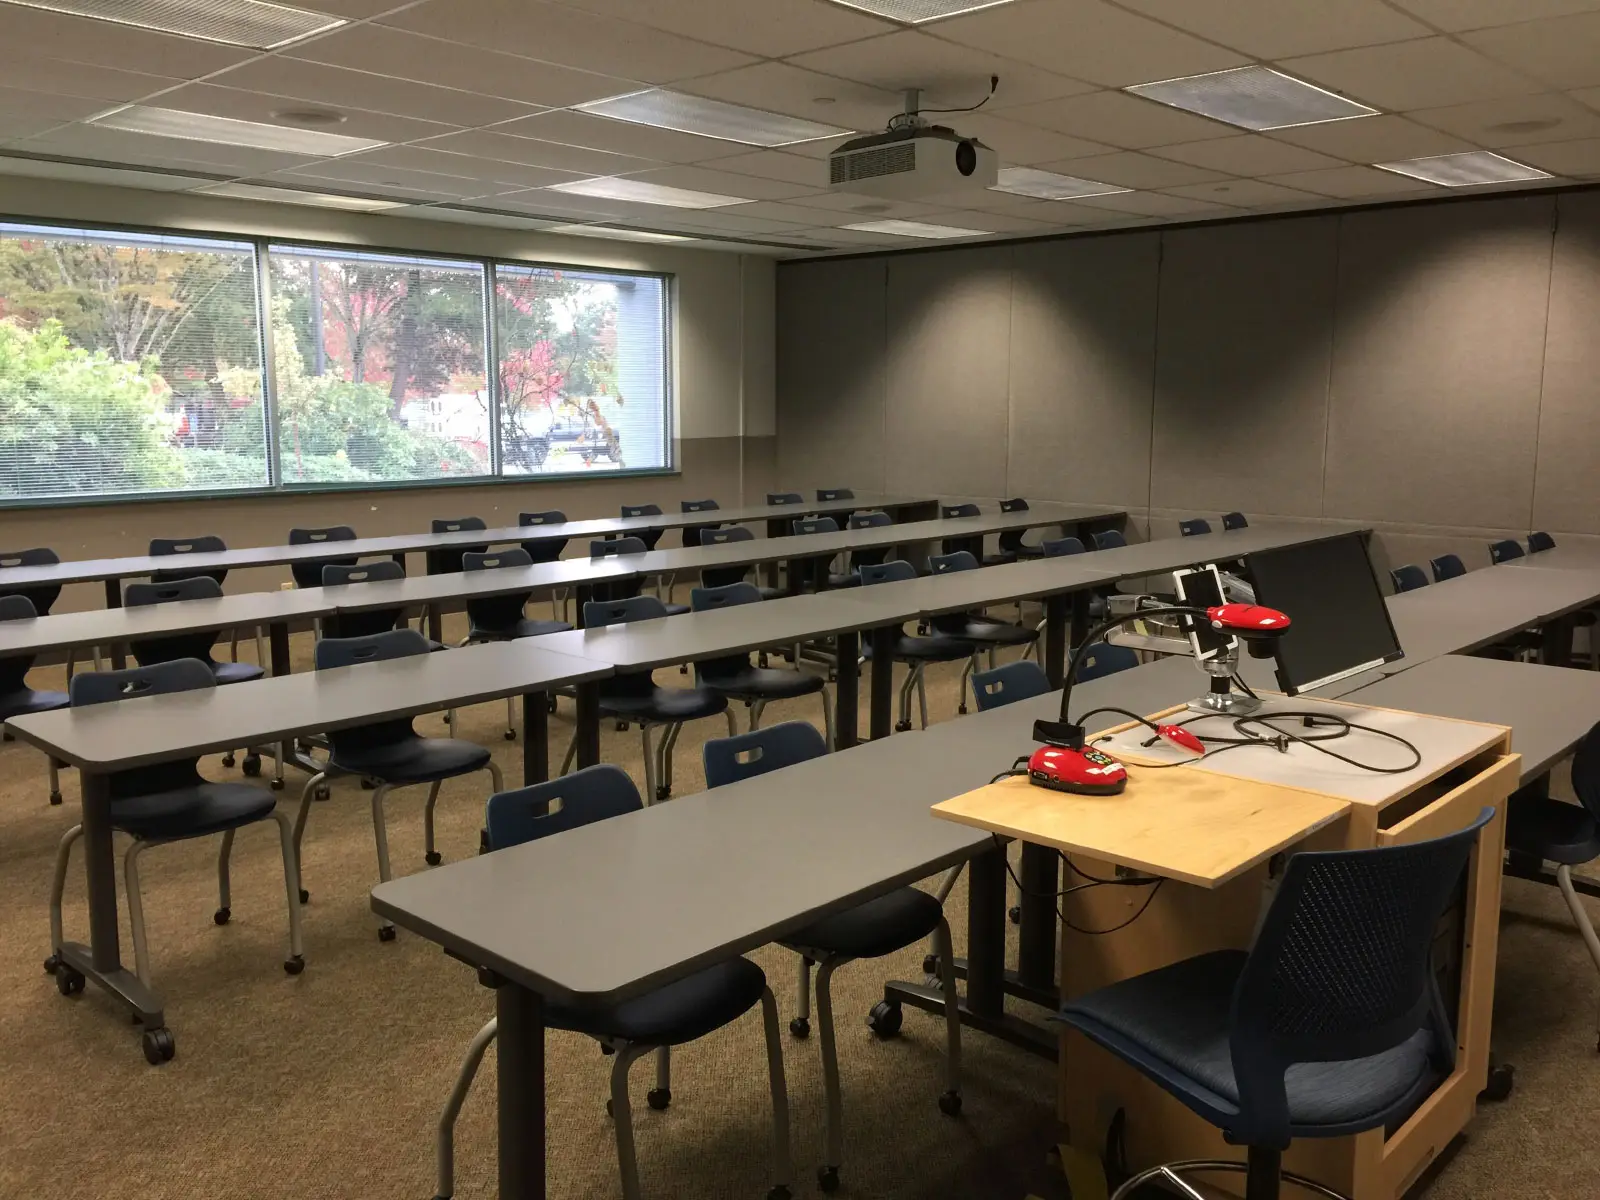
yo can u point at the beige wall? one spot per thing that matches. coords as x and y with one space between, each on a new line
1433 369
723 388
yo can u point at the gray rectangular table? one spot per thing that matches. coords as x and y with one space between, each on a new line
1568 556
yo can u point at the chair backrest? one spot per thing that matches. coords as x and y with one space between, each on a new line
716 577
42 595
1341 968
700 505
827 494
493 560
195 587
1234 520
500 613
1105 659
616 547
337 574
17 608
642 510
309 572
803 525
892 571
1008 683
361 622
1194 526
354 651
960 560
1061 546
172 547
702 599
553 516
1015 504
1408 578
871 519
951 511
544 549
1447 566
776 498
571 802
154 679
1504 550
457 524
726 534
1109 539
151 651
619 612
14 670
1540 541
446 560
729 760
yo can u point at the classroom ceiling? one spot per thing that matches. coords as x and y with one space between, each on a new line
468 110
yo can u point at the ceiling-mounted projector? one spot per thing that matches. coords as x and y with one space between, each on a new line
912 159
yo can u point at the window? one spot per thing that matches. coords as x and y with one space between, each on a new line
583 370
129 363
379 367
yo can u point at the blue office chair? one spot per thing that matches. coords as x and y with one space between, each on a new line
16 697
1504 551
870 930
1408 578
1061 546
636 697
987 633
1540 541
1009 683
1193 527
1109 539
719 577
308 572
824 495
1012 547
542 550
1105 659
691 533
391 753
621 548
502 618
950 512
1234 520
1447 566
207 544
777 498
738 679
163 803
804 526
362 622
447 561
671 1015
41 595
648 536
870 519
1331 1024
915 652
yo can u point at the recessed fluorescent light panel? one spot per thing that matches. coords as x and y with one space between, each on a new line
916 229
625 235
640 192
231 22
1464 170
277 195
1253 98
709 118
915 12
202 127
1047 185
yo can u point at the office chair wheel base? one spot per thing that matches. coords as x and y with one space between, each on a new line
663 791
251 765
305 896
55 798
52 964
884 1019
511 735
296 963
902 726
659 1098
828 1178
1502 1076
228 759
800 1027
1015 914
950 1104
222 915
322 792
69 980
433 858
386 933
159 1046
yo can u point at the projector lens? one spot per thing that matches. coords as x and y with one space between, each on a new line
966 158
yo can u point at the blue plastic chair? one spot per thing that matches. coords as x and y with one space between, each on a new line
1447 566
622 590
1009 683
915 652
777 498
649 536
871 930
176 547
1061 546
801 527
447 561
805 525
717 577
737 678
1539 541
1193 527
1105 659
1504 551
16 697
502 618
670 1015
1331 1024
1109 539
41 595
362 622
1234 520
542 550
308 572
150 651
691 533
987 633
824 495
1408 578
169 802
950 512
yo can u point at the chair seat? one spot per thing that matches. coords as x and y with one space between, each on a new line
873 929
674 610
990 633
671 1015
412 760
525 627
764 683
1002 559
847 580
1561 833
236 672
1173 1024
27 700
773 593
665 704
192 811
938 648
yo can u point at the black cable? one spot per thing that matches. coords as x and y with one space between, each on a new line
1148 900
994 86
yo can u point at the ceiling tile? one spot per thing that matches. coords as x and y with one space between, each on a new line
779 87
1456 15
720 220
650 216
1087 39
21 126
344 88
1426 73
1564 120
1132 170
1018 144
462 216
989 221
1350 183
20 69
108 176
768 28
948 74
790 213
1247 154
384 51
356 10
106 43
775 164
137 149
408 184
1273 29
1247 193
621 137
1119 120
421 158
1154 204
1562 51
864 208
553 33
1579 158
723 183
534 153
255 106
43 106
1373 139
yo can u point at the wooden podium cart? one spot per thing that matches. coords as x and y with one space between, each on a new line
1213 831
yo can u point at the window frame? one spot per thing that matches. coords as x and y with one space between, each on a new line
277 486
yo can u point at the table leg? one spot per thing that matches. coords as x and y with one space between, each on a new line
588 731
986 932
769 571
882 718
119 659
400 558
581 595
1036 946
1556 650
535 738
520 1017
435 622
847 690
1055 637
278 647
1080 616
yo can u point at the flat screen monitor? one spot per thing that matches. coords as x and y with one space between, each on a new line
1339 623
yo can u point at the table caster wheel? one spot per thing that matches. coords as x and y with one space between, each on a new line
386 933
800 1027
962 708
295 964
950 1104
69 980
251 765
828 1178
305 896
322 792
663 791
52 964
930 965
159 1046
511 735
1501 1078
222 915
228 759
902 726
1015 914
884 1019
55 798
433 858
659 1098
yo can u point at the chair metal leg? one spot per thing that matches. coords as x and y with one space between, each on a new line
651 794
58 887
1169 1173
55 780
756 707
277 771
783 1163
301 817
429 854
669 743
445 1143
571 754
922 694
1580 918
733 725
966 675
906 686
801 1025
496 779
261 650
380 837
224 892
296 961
130 879
511 718
664 1073
71 654
834 1149
827 720
950 1102
622 1116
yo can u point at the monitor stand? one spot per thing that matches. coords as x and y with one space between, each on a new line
1222 698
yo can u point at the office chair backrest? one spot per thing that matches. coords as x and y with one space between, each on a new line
152 651
951 511
828 494
501 612
1105 659
354 651
544 549
702 599
1008 683
642 510
552 516
1061 547
206 544
776 498
1234 520
726 534
338 574
493 560
196 587
571 802
14 671
458 524
616 547
1109 539
803 525
872 519
308 573
700 505
890 572
155 679
446 560
1586 772
1015 504
17 608
1408 578
41 595
361 622
960 560
1341 968
715 536
1504 551
619 612
1193 527
1540 541
729 760
1447 566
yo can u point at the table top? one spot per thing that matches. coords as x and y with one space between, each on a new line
1169 554
1574 556
143 730
678 886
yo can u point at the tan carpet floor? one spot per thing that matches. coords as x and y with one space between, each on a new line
329 1084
